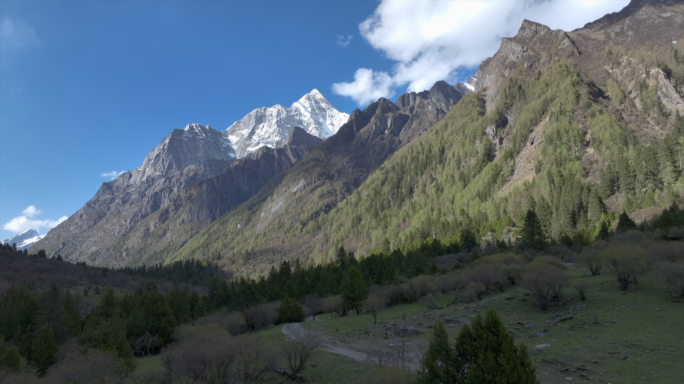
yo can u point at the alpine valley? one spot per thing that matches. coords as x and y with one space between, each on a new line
577 126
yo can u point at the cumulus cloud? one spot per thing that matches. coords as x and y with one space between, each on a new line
112 175
431 40
367 86
343 41
31 211
15 35
25 221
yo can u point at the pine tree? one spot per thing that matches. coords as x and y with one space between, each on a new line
354 289
466 240
604 232
484 353
44 349
490 355
342 258
440 363
532 233
625 223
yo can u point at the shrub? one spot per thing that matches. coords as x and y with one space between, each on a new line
234 322
673 275
581 287
291 311
593 261
473 292
262 315
373 305
544 283
626 263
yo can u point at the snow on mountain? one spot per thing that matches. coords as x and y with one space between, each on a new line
470 84
25 239
271 126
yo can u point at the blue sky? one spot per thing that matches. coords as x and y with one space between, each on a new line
88 88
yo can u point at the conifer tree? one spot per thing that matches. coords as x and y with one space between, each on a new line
625 223
532 233
490 355
440 363
604 232
342 258
466 240
354 289
484 353
44 349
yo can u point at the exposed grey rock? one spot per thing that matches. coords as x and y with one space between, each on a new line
406 331
183 158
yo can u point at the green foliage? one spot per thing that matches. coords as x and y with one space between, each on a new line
484 352
671 217
10 358
440 363
44 349
291 311
149 312
625 223
616 93
354 289
532 234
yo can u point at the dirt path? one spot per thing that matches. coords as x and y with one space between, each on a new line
292 329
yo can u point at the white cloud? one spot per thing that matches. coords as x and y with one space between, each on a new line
430 40
25 222
14 36
112 175
343 41
367 86
31 211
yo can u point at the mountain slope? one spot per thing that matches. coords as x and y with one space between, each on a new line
271 223
183 158
271 126
157 237
574 125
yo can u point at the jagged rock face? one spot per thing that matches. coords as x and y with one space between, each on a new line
428 107
194 144
271 126
535 44
183 158
155 239
640 23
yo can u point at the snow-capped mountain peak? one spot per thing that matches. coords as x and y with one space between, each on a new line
271 126
25 239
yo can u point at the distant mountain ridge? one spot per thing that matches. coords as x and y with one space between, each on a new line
331 172
271 126
25 239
